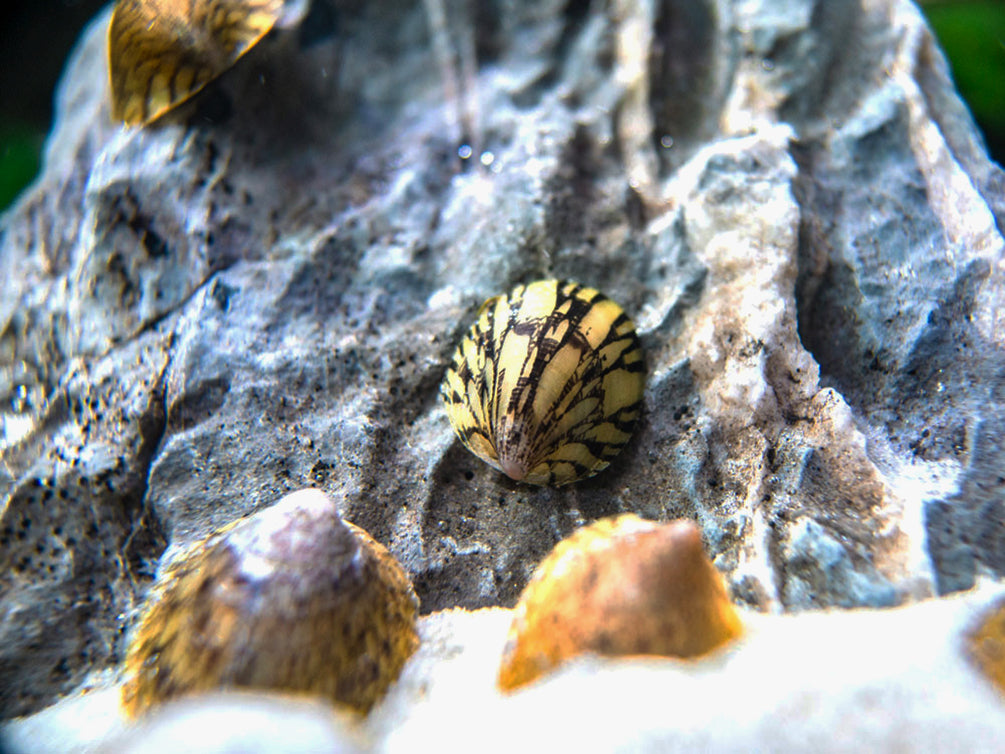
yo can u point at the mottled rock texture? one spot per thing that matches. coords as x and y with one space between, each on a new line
261 293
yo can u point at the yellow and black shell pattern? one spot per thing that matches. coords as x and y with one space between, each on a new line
161 52
547 384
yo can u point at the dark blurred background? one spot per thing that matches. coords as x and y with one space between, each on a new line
36 37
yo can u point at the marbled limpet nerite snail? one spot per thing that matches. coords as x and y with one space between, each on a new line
547 384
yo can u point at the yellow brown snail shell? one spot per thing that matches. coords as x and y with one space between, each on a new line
986 644
547 384
161 52
292 598
620 586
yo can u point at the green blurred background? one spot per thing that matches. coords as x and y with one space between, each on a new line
36 37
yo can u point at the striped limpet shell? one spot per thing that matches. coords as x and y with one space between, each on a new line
162 52
292 598
547 384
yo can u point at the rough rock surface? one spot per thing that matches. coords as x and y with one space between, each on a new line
261 292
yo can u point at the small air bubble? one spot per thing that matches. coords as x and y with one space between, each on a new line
464 151
487 158
666 141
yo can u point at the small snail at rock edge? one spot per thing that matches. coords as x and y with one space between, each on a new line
619 587
292 598
161 52
547 384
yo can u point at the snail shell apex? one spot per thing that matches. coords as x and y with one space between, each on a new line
547 384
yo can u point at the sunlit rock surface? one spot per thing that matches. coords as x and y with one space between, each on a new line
261 293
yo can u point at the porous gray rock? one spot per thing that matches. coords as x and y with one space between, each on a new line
261 292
